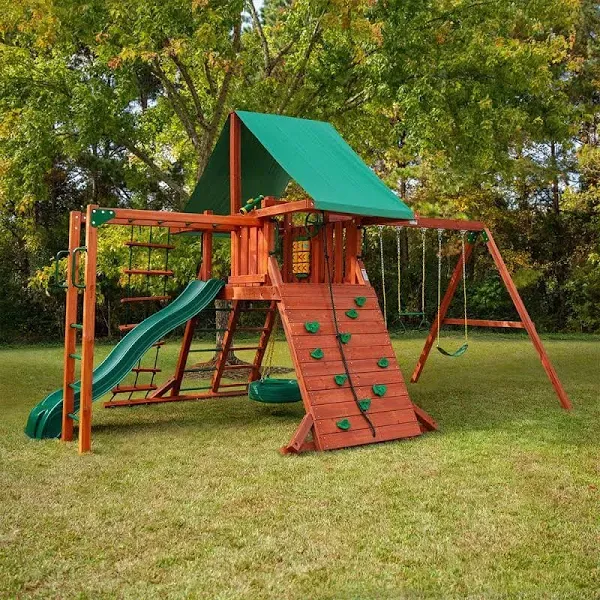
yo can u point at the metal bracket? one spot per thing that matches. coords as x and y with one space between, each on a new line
101 216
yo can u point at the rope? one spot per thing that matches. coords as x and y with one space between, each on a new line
338 334
383 275
423 271
464 278
399 267
440 232
270 351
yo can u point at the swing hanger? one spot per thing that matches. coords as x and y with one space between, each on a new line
459 351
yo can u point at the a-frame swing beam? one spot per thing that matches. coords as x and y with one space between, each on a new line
525 323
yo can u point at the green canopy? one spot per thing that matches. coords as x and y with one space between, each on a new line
276 149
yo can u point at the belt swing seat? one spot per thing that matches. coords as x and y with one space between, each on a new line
462 349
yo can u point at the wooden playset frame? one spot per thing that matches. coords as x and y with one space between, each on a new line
256 276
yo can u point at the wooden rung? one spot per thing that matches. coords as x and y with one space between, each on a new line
231 385
125 389
145 370
128 327
485 323
252 329
148 272
231 367
144 299
237 348
159 343
150 245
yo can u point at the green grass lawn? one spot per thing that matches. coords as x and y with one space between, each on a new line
193 500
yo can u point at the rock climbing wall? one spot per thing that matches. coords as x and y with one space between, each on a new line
339 420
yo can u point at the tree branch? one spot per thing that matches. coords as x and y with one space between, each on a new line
158 172
261 35
212 88
191 87
177 103
301 71
221 101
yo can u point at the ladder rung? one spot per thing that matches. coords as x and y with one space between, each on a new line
74 386
252 329
218 349
145 370
76 326
211 329
230 367
128 327
75 356
234 348
231 385
150 245
133 388
258 308
199 370
73 416
158 344
147 272
144 299
194 389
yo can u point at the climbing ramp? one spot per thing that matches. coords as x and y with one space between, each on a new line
335 418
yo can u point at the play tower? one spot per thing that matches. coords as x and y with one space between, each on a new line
348 376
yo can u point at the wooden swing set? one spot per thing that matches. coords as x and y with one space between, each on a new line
347 372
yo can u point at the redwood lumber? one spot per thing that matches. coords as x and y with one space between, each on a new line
149 245
485 323
527 322
299 437
70 340
145 299
89 328
284 208
149 272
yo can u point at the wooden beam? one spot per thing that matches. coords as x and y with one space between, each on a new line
527 322
244 279
284 208
70 332
226 345
240 292
163 218
485 323
179 398
299 438
235 186
207 248
89 328
427 223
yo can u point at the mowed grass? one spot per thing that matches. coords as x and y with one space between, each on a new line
193 500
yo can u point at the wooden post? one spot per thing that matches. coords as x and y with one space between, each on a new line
207 246
235 184
89 329
204 274
443 309
526 320
75 219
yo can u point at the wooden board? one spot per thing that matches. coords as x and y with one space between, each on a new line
327 403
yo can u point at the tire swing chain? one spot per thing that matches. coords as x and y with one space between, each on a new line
338 337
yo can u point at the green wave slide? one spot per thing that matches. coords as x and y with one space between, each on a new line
45 419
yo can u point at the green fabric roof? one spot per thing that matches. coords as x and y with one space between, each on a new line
276 149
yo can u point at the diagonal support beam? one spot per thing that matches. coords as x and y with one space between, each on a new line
527 322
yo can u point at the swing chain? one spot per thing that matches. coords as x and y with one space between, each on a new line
423 274
399 267
440 233
380 227
463 233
